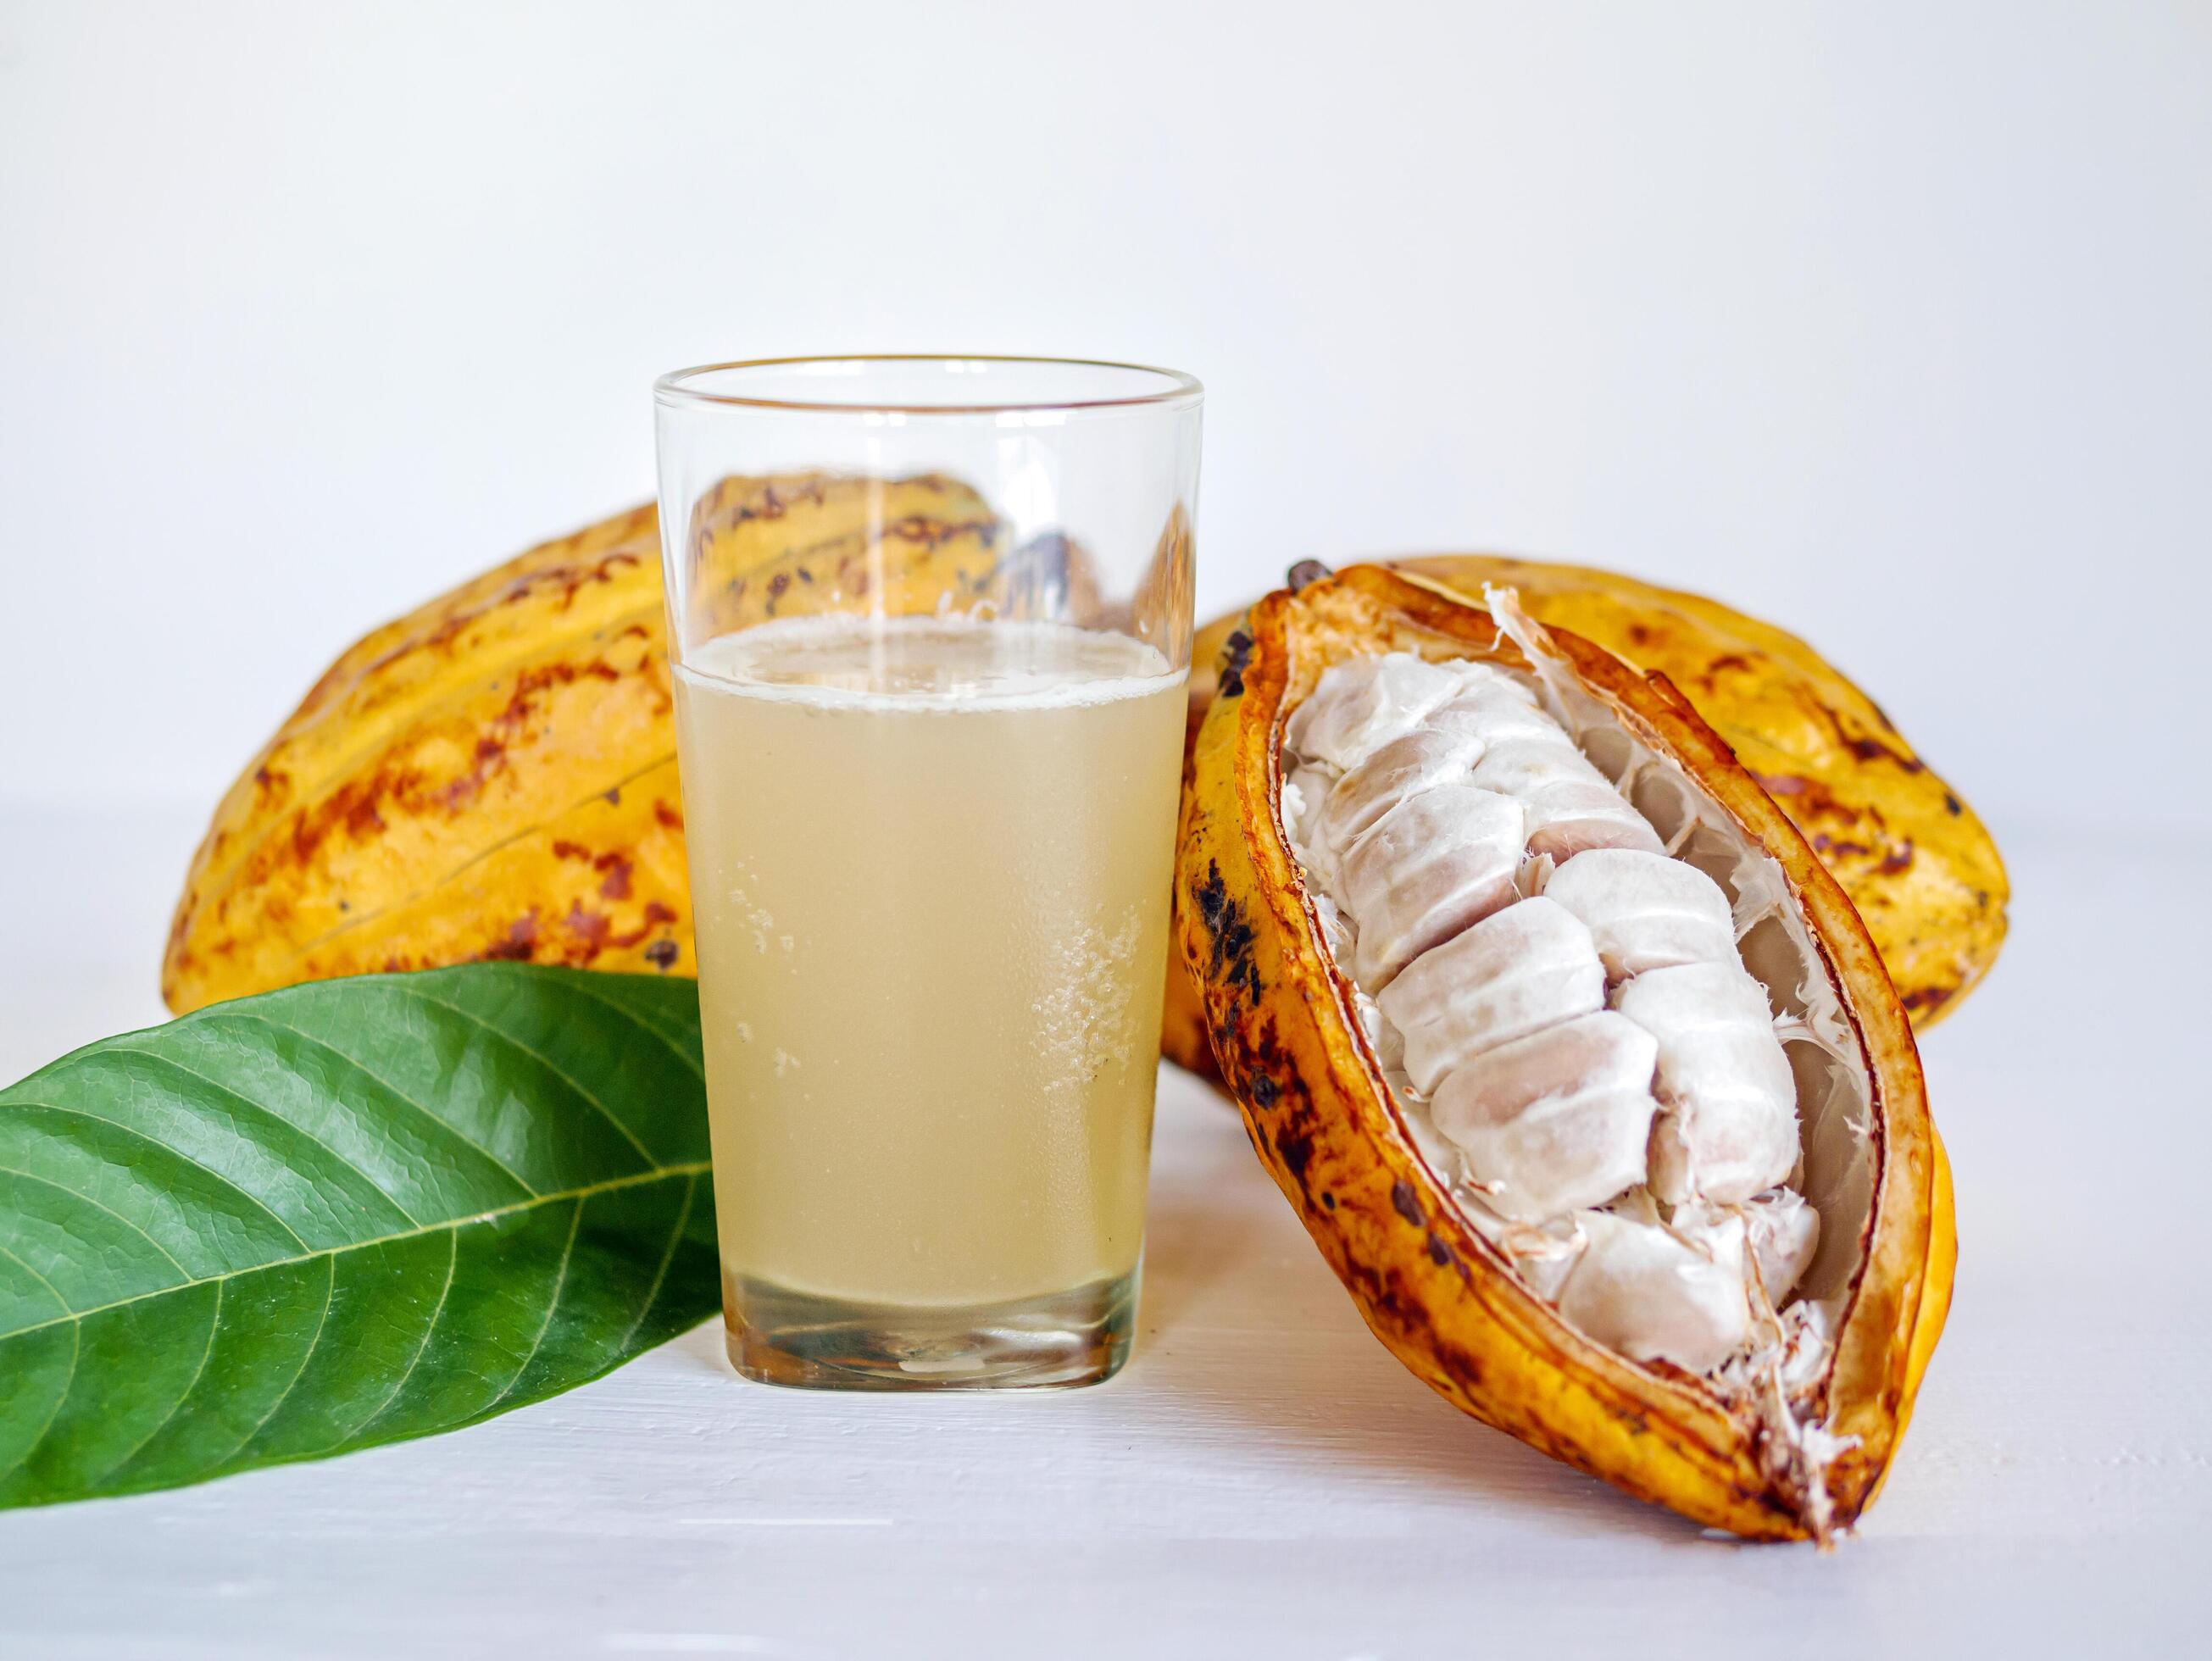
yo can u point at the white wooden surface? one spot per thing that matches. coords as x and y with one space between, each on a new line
1263 1479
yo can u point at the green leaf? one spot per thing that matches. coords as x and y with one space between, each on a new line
344 1215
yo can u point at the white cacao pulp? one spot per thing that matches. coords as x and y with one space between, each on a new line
1545 952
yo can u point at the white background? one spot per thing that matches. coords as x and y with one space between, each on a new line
1891 323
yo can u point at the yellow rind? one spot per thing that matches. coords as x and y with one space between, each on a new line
493 774
1919 865
1278 1014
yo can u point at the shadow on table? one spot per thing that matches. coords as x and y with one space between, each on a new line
1243 1317
1244 1331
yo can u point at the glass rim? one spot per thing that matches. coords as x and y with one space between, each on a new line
1179 390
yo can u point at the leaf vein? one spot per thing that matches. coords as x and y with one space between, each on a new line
560 1284
644 1026
53 1291
632 1179
61 1398
515 1043
375 1077
244 1194
667 1257
215 1325
62 1187
266 1112
453 1263
69 1379
330 1299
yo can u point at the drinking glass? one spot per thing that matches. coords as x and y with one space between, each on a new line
929 619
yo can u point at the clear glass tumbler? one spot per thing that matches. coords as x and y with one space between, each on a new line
930 621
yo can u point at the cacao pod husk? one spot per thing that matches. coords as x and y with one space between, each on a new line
1916 861
493 776
1282 1019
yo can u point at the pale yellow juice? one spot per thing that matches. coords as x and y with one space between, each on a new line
930 872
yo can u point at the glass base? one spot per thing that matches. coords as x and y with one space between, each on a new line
1056 1342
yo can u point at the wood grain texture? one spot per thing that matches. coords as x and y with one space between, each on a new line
1263 1479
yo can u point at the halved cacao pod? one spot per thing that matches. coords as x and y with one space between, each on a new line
1751 1448
1917 863
493 774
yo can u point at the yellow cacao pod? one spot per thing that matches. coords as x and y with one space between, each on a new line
1789 1434
1918 865
493 774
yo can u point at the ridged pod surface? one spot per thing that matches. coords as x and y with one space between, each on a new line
1918 865
1281 1017
493 776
